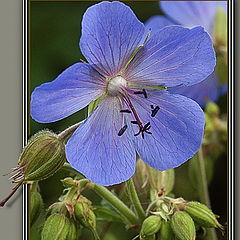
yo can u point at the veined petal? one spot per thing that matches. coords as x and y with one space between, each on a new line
155 23
207 90
174 56
110 34
71 91
191 13
177 129
96 150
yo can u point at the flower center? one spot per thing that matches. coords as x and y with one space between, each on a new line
116 84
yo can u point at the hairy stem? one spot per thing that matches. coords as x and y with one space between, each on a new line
64 135
135 200
115 202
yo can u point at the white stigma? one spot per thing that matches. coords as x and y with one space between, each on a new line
116 84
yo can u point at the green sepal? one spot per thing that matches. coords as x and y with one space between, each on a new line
93 105
150 226
166 232
202 215
72 232
56 227
183 226
43 156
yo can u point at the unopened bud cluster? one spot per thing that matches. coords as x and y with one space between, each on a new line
176 219
72 213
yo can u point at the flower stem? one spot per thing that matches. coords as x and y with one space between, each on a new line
204 195
64 135
67 167
3 202
135 200
115 202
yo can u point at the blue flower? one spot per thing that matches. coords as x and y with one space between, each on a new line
135 112
190 14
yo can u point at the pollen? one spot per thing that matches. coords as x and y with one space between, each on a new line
116 85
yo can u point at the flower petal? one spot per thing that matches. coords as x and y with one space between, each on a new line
71 91
96 150
110 34
177 129
172 57
157 22
191 13
201 92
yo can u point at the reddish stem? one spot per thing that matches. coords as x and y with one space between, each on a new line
3 202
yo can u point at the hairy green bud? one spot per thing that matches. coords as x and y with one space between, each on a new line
85 215
56 227
166 232
150 226
41 158
36 206
183 226
202 215
72 231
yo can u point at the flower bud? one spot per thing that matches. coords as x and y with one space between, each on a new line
202 215
183 226
36 206
72 232
41 158
85 215
166 232
150 226
56 227
68 182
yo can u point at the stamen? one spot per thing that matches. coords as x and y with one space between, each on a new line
142 129
147 126
125 111
141 92
144 93
154 111
122 130
152 107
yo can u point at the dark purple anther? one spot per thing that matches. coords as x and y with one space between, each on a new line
154 111
142 92
122 130
125 111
